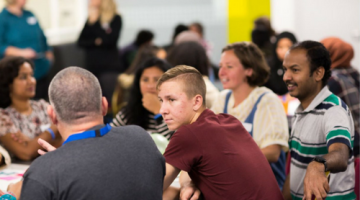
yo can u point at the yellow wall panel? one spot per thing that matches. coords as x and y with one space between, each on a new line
241 16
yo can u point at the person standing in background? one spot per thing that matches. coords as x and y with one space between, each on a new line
282 44
21 35
344 81
100 36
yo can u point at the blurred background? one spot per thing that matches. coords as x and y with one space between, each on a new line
224 21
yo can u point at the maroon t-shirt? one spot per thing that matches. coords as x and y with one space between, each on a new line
222 159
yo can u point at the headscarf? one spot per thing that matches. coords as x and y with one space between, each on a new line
341 52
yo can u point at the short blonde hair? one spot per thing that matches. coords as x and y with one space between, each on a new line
192 81
251 57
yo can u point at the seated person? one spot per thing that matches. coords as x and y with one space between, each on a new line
143 105
193 54
96 161
216 151
126 79
242 70
21 117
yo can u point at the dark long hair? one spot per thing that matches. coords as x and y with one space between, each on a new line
276 61
134 111
191 54
9 70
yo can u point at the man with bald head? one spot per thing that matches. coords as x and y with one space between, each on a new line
96 161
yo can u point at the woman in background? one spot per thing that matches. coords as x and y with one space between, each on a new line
194 55
126 79
21 35
283 43
243 70
143 104
20 117
99 37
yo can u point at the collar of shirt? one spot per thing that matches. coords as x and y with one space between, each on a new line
323 94
97 132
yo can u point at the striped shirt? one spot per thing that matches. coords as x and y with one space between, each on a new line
270 122
154 126
327 120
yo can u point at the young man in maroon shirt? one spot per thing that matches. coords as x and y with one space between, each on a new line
215 152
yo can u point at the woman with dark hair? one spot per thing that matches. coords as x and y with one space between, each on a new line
126 79
194 55
283 43
143 104
20 117
243 70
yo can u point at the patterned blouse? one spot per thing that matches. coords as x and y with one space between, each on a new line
31 125
154 126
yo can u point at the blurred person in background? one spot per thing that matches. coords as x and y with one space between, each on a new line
194 55
344 80
21 35
263 35
22 121
125 80
143 105
243 70
198 28
100 36
178 29
282 44
128 53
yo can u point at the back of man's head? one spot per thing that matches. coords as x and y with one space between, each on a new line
75 95
191 80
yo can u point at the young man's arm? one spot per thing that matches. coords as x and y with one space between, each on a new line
171 173
188 190
316 182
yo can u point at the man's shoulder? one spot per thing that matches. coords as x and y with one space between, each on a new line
332 102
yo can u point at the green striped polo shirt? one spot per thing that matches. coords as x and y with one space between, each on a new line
325 121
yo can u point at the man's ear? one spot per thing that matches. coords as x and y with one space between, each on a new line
197 102
104 106
319 73
52 114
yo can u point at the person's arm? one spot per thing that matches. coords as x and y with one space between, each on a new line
171 173
29 151
110 39
272 152
316 182
286 188
272 132
188 190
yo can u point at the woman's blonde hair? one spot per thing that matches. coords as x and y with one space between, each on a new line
107 11
9 2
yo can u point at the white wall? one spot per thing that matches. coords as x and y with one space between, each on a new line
317 19
161 17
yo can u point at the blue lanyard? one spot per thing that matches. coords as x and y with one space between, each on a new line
89 134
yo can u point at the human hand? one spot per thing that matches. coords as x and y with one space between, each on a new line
15 188
28 53
189 192
98 41
50 56
20 138
151 103
315 182
48 147
94 14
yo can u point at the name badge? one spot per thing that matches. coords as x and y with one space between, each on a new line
31 20
247 126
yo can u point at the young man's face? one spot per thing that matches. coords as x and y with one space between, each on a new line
300 83
176 108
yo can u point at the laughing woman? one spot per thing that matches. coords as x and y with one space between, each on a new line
242 70
22 121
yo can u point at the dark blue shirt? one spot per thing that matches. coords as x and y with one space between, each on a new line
24 32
